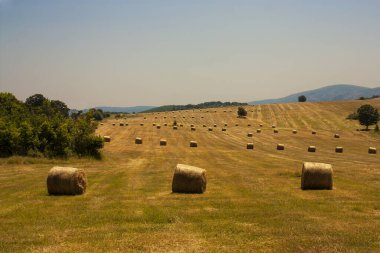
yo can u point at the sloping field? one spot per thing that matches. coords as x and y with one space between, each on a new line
253 201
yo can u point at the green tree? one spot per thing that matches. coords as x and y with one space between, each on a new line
368 115
242 112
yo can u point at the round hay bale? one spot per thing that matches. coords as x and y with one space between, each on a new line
138 140
141 124
258 131
66 181
249 125
372 150
113 124
192 128
280 147
314 132
337 136
189 179
121 124
202 117
225 124
236 124
101 124
316 176
338 149
154 124
214 125
261 125
193 144
311 149
294 131
249 134
107 138
273 126
224 129
275 131
175 127
126 124
163 142
158 127
250 145
204 126
210 129
166 124
181 125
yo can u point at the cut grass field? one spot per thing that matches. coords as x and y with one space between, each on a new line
253 201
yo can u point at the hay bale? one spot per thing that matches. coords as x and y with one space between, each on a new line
224 129
236 124
337 136
107 138
138 140
294 131
113 124
204 125
273 126
193 144
275 131
225 124
181 125
314 132
101 124
372 150
192 128
121 124
316 176
154 124
126 124
258 131
166 124
66 181
210 129
250 145
141 124
158 127
249 134
311 149
189 179
280 146
163 142
175 127
338 149
249 125
261 125
214 125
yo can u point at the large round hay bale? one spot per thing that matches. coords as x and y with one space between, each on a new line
248 125
261 125
113 124
158 127
107 138
250 145
175 127
314 132
249 134
294 131
214 125
189 179
275 131
166 124
163 142
258 131
192 128
210 128
138 140
193 144
236 124
224 129
66 181
225 124
372 150
338 149
280 147
121 124
154 124
311 149
273 126
336 136
204 125
316 176
141 124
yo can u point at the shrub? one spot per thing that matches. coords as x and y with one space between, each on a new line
242 112
302 98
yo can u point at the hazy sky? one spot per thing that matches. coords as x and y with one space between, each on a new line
124 53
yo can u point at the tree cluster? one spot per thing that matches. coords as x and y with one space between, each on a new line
43 127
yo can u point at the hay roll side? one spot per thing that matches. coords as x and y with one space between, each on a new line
66 181
138 140
316 176
250 145
372 150
189 179
107 138
280 147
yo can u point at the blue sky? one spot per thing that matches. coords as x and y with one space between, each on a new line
125 53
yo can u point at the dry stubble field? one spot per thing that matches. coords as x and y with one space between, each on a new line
253 201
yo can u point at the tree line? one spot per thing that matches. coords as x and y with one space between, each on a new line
41 127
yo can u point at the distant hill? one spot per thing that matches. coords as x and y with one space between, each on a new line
133 109
328 93
204 105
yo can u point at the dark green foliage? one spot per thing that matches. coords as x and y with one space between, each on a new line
368 115
242 112
40 127
96 114
302 98
353 116
205 105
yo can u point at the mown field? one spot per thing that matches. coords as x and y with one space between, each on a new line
253 201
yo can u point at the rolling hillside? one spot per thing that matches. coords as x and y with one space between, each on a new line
253 201
328 93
